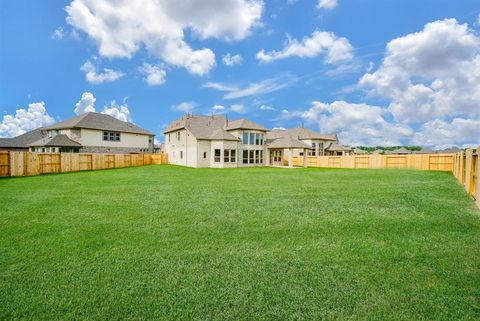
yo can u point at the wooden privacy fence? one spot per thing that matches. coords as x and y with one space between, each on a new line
437 162
466 169
30 164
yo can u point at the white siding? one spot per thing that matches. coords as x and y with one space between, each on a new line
91 137
181 150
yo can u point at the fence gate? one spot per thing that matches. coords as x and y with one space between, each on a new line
109 161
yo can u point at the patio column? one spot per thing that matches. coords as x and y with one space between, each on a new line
267 157
305 158
290 157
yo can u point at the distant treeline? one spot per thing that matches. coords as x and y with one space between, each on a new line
389 148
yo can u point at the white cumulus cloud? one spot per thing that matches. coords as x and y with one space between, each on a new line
121 28
327 4
238 108
154 75
232 60
95 78
336 49
185 107
86 104
25 120
218 109
120 112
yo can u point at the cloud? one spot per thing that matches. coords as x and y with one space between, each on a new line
25 120
58 33
121 28
356 124
120 112
442 134
231 61
185 107
266 107
86 104
434 73
154 75
95 78
336 49
218 109
327 4
253 89
238 108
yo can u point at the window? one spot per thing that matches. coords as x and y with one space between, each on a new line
204 155
111 136
257 139
257 156
245 156
314 149
217 155
245 138
181 154
178 136
226 156
252 156
261 139
252 138
261 157
320 149
233 156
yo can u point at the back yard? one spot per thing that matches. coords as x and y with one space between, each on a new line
166 242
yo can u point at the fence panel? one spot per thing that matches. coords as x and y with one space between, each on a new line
396 161
362 162
29 164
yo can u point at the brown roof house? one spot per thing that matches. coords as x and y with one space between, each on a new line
88 133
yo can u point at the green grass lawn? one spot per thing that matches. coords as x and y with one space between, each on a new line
165 242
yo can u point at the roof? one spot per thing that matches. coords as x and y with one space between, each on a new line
203 127
305 133
99 121
359 151
378 151
401 151
22 141
220 134
453 149
334 147
56 141
424 150
244 123
286 142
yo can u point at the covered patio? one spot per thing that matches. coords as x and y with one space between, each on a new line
278 146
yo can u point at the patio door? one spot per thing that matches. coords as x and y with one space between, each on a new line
276 157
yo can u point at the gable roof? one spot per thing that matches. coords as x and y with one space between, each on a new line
99 121
400 151
286 142
305 133
334 147
244 123
220 134
22 141
56 141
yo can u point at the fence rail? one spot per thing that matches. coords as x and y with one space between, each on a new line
31 164
466 167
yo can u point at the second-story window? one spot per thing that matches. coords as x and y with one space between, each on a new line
314 149
111 136
245 138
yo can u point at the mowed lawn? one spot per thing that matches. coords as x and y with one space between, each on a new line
172 243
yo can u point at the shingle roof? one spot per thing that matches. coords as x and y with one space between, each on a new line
99 121
56 141
286 142
244 123
334 147
424 150
203 127
359 151
305 133
22 141
400 151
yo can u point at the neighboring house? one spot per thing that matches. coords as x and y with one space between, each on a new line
316 141
378 152
335 149
214 141
88 133
358 151
21 142
399 151
424 150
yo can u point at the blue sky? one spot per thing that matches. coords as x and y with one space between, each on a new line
375 72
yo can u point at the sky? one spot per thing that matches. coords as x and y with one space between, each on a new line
377 73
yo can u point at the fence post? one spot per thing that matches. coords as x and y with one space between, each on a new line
468 170
477 178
